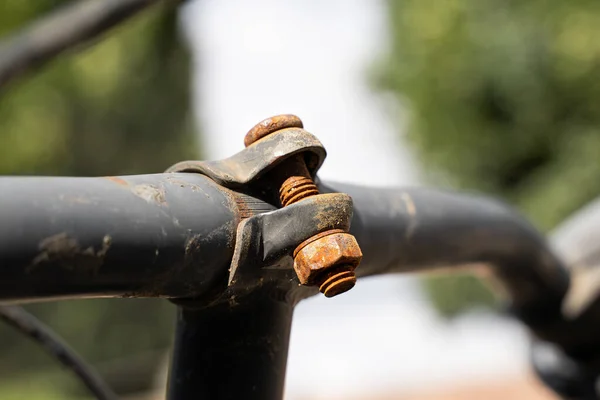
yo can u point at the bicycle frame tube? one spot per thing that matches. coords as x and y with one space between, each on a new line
232 351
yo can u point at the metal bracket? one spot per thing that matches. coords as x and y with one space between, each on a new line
266 238
247 167
264 245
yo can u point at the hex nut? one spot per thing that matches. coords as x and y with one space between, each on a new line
326 253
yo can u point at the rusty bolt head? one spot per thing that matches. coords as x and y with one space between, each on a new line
326 253
270 125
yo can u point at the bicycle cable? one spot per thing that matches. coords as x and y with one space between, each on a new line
29 325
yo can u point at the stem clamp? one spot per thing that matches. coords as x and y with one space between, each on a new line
306 240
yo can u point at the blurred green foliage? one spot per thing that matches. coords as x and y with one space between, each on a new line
504 97
119 106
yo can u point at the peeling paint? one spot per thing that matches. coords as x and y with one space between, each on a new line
185 184
117 180
150 193
65 251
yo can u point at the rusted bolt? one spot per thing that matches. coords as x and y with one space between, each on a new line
270 125
328 259
291 176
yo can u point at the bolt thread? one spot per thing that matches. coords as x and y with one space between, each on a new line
338 281
296 188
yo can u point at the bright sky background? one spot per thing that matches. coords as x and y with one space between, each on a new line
258 58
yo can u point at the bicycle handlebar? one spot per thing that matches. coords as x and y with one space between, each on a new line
139 236
146 235
420 229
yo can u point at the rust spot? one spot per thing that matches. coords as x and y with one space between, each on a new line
245 206
117 180
270 125
315 237
296 188
248 206
242 206
66 252
338 282
150 193
328 262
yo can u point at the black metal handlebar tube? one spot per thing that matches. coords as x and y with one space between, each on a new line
167 235
419 230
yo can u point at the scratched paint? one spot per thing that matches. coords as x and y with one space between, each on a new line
65 251
150 193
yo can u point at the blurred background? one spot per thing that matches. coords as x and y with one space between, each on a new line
492 96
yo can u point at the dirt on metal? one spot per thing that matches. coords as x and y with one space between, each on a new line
68 253
332 215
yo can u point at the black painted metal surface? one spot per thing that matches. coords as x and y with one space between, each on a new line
232 351
246 167
418 230
165 235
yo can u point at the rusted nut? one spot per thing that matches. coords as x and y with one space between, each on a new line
270 125
328 262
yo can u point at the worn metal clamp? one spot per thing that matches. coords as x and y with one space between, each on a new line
305 241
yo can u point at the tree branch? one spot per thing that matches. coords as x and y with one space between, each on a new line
63 29
36 330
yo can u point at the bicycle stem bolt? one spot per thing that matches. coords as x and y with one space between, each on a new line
326 260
